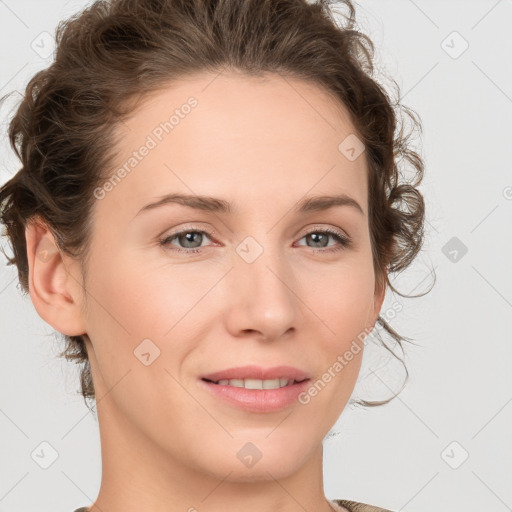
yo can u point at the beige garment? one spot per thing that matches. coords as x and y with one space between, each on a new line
356 506
351 506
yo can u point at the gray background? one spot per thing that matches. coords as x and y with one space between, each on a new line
410 454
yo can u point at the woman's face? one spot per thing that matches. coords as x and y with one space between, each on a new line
262 284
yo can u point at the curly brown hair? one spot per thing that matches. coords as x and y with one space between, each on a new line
114 52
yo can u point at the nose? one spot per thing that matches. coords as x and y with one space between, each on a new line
263 302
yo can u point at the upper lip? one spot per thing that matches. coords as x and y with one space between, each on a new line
258 372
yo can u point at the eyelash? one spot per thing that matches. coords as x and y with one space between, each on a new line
343 240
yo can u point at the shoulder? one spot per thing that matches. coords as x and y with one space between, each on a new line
356 506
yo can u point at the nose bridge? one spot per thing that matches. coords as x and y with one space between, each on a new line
263 298
262 265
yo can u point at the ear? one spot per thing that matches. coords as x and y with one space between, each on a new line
54 290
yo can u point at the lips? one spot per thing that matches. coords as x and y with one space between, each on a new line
259 373
249 399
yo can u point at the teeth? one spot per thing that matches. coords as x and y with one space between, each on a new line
256 383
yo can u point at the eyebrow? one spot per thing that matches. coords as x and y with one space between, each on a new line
213 204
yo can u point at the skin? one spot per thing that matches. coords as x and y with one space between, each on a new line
262 144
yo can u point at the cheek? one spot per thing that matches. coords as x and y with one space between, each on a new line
140 302
341 297
341 302
129 308
133 304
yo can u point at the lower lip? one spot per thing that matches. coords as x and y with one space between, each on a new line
257 400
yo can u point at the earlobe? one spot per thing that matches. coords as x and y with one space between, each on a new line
52 288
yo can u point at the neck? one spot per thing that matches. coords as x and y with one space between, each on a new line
137 475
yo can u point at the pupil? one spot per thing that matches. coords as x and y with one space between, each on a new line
317 235
189 238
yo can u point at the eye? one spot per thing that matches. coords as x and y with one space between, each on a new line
191 240
322 240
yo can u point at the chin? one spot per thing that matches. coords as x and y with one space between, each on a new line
250 461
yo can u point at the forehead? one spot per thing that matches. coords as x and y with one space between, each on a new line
233 134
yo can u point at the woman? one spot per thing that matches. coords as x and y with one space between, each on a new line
208 209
